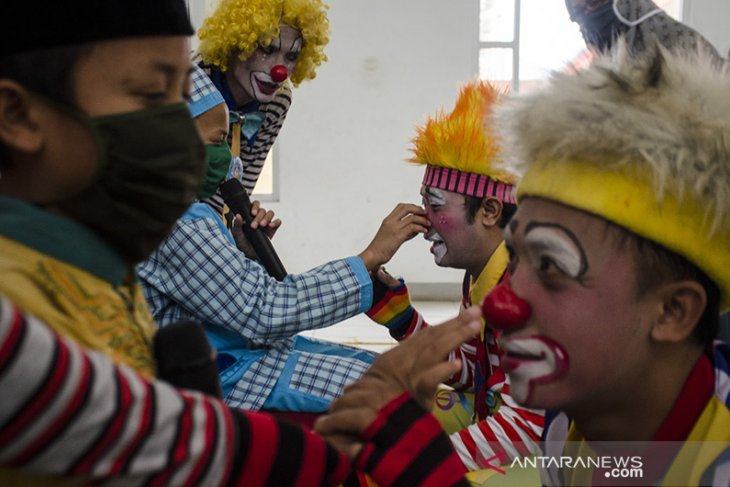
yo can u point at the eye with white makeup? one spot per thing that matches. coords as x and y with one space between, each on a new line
553 248
433 197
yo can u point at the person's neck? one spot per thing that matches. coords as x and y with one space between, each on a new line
480 260
240 96
637 412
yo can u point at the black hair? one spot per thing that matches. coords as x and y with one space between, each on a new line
472 204
655 265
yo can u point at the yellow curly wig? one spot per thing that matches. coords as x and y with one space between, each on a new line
241 26
463 139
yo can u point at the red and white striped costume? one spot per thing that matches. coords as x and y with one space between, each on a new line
500 425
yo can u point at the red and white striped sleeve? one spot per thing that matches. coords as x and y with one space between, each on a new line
512 431
70 412
67 411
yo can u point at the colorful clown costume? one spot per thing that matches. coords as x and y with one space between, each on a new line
459 152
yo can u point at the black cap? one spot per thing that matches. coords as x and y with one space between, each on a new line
26 25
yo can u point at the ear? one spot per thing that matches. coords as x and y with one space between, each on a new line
682 304
19 127
490 212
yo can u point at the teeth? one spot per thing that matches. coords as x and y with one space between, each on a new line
518 349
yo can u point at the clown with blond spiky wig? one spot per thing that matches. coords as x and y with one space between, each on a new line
468 201
254 51
459 148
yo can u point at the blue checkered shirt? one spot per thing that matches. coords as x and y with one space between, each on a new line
198 273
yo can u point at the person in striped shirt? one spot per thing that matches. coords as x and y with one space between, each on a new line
468 201
71 416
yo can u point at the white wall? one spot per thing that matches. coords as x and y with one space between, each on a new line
710 18
342 149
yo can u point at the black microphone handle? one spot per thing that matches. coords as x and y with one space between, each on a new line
236 197
261 245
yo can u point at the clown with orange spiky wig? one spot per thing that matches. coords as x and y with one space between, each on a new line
468 202
459 148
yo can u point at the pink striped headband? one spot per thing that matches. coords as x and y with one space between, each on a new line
468 183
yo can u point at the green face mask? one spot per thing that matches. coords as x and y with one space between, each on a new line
219 160
151 168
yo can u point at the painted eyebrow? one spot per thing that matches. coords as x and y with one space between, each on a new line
433 192
294 42
531 226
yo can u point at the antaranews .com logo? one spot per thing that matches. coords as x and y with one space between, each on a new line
617 467
560 463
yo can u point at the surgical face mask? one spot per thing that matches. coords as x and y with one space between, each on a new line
219 161
151 168
600 27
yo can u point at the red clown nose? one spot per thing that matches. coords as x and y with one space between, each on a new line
503 309
279 73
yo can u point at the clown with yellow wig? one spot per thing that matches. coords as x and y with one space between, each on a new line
468 201
254 50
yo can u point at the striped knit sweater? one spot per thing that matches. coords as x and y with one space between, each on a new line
69 412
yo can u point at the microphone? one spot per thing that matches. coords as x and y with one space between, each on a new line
185 359
236 197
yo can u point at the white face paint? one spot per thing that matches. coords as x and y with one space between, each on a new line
551 250
570 267
531 361
552 245
438 249
254 73
434 198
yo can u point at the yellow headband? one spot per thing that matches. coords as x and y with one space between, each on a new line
629 199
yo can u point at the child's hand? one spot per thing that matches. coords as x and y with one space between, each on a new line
386 279
402 224
262 219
